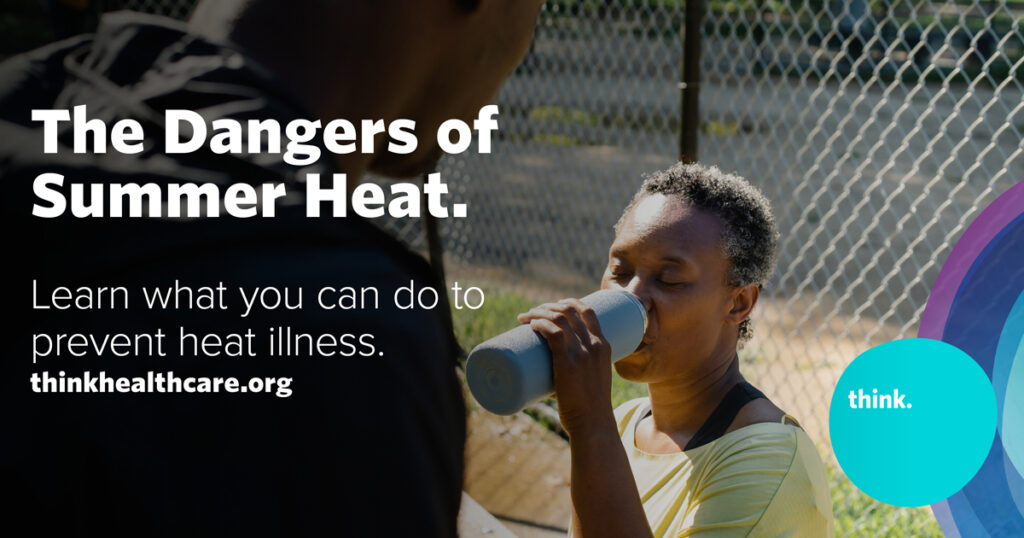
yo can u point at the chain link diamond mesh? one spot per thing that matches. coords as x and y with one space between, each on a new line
879 129
178 9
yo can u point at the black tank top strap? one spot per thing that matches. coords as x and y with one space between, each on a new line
720 419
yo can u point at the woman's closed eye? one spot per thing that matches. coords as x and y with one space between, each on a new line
671 277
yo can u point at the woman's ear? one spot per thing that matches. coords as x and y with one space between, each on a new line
743 300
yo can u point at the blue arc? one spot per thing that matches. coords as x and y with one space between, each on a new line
976 324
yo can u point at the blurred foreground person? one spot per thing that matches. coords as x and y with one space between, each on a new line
359 445
706 454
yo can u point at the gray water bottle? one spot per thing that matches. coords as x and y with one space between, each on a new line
513 369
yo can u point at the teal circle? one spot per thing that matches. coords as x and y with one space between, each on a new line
926 451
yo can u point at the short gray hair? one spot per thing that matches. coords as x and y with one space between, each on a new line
749 236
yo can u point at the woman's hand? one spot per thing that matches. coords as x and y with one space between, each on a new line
604 495
581 361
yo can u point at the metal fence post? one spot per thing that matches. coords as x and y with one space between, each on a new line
690 84
435 249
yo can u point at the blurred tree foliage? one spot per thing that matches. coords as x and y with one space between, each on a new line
24 25
28 24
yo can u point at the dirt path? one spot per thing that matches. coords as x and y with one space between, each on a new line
519 472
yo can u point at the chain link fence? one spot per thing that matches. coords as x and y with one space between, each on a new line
178 9
879 130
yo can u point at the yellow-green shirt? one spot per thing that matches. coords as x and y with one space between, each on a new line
765 479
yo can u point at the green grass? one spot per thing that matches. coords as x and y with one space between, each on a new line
566 115
856 514
623 391
497 315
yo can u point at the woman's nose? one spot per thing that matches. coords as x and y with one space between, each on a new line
637 287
